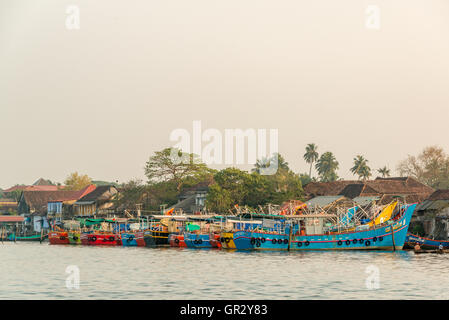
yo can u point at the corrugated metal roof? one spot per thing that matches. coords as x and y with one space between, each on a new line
363 201
322 200
433 205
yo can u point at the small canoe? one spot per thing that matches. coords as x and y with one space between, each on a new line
35 237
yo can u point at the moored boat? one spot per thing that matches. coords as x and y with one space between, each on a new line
177 240
388 235
34 237
424 243
74 237
100 239
58 237
197 240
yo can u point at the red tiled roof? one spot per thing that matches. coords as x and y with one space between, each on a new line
38 200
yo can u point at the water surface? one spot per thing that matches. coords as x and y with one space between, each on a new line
38 271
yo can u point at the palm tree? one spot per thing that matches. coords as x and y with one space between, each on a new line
327 166
311 155
361 168
276 161
385 172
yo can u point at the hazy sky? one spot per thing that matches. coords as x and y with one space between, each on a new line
100 100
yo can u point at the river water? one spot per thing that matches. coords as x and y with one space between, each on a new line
43 271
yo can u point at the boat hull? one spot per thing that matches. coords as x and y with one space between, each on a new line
132 239
387 237
177 240
74 237
100 239
197 241
155 238
36 237
58 237
227 240
425 243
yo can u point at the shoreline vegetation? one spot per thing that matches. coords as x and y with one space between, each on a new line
231 187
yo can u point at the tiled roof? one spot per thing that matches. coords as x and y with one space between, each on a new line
38 200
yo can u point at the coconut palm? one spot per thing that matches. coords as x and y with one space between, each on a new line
327 166
385 172
311 155
361 168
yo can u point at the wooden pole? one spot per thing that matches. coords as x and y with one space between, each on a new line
290 237
392 236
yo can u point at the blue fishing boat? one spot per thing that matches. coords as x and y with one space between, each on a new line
128 239
388 235
194 240
424 243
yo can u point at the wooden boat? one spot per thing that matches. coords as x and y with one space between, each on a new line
58 237
34 237
227 240
74 237
100 239
214 239
388 235
177 240
132 239
156 236
425 243
197 240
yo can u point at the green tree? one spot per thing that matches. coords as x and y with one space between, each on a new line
361 168
172 164
385 172
76 181
311 155
131 193
327 166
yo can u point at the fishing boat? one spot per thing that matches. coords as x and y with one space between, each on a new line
58 237
133 239
156 236
231 226
424 243
197 240
307 232
34 237
99 238
74 237
177 240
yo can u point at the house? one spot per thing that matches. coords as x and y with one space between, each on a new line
386 189
431 217
193 200
8 206
42 206
98 202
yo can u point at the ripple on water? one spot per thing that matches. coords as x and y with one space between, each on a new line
38 271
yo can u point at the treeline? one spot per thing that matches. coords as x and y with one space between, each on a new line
168 178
